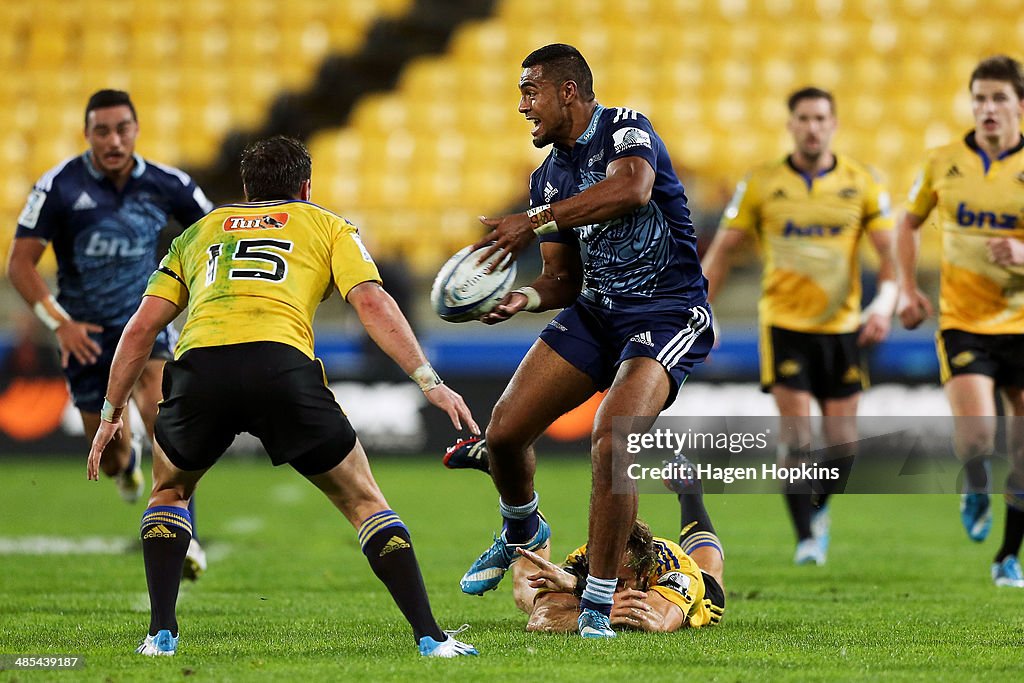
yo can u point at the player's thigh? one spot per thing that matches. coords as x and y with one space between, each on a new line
350 486
1013 403
636 396
543 388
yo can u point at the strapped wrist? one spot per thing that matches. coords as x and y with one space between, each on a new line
426 377
532 298
542 218
884 302
110 412
50 312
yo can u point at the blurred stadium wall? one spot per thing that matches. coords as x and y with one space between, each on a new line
409 109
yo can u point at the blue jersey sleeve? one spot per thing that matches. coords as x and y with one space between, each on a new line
42 214
189 203
629 134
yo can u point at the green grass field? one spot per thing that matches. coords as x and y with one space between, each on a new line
288 595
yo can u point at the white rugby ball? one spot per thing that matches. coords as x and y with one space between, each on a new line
465 291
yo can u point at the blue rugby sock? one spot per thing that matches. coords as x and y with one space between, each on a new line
521 521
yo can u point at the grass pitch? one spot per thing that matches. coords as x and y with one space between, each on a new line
289 596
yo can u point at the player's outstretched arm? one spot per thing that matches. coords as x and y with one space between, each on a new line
648 611
717 261
557 286
133 351
627 186
913 306
1005 251
73 336
554 613
389 330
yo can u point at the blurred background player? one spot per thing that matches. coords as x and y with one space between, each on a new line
619 254
662 586
809 211
252 276
974 188
104 211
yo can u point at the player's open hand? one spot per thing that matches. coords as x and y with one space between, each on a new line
874 330
550 575
74 340
452 403
1005 251
630 609
107 432
913 307
510 234
506 308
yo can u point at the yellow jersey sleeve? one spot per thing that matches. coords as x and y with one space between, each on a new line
922 197
168 281
351 263
743 211
877 204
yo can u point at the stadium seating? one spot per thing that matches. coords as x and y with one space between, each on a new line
448 144
415 166
196 69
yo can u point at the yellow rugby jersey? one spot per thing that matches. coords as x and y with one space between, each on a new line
257 271
809 230
675 577
974 199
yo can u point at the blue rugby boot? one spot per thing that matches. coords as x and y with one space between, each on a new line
163 644
976 515
448 648
593 624
1008 573
486 573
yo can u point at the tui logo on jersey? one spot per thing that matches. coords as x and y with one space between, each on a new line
981 219
815 230
268 221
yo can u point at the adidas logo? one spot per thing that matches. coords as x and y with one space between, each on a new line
549 191
643 338
159 531
954 172
83 203
394 544
779 194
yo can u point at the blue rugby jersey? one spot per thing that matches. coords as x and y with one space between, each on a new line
646 260
105 241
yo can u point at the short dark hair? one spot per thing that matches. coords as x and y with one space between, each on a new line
101 99
810 93
1000 68
563 63
275 168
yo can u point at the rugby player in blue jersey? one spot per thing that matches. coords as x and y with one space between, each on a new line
103 211
620 256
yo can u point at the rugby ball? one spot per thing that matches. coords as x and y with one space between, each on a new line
464 290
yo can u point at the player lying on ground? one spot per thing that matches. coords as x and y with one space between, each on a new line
662 586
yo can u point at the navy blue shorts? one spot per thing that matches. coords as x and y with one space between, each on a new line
88 383
597 342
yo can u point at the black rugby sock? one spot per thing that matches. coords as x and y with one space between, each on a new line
166 532
1013 534
385 542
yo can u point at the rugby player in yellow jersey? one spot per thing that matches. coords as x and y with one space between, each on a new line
974 190
809 211
251 276
661 587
